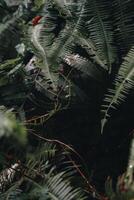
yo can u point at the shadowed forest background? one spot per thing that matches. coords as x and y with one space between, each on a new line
66 99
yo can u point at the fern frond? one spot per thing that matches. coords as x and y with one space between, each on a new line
36 41
89 47
100 29
82 35
56 174
123 14
124 83
46 152
60 188
83 65
49 46
56 45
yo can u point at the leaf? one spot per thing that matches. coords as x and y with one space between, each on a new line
100 30
123 84
123 14
58 187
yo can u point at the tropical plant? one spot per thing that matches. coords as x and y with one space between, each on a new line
61 51
46 175
85 41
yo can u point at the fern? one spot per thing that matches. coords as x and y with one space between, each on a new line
51 48
100 30
57 187
88 45
123 84
35 41
123 22
58 183
47 161
48 174
93 30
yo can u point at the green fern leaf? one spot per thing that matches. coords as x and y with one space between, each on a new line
100 30
124 83
123 14
60 188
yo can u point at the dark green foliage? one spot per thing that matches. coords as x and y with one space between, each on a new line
73 68
123 24
40 178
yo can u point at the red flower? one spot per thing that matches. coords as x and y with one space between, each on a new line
36 20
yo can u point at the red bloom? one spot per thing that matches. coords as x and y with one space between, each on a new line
36 20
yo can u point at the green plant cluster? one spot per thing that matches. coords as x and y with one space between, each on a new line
53 56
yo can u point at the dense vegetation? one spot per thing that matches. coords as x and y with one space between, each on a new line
66 99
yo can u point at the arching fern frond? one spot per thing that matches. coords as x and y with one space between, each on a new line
51 175
55 185
60 188
45 65
52 46
88 45
124 83
56 43
100 29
